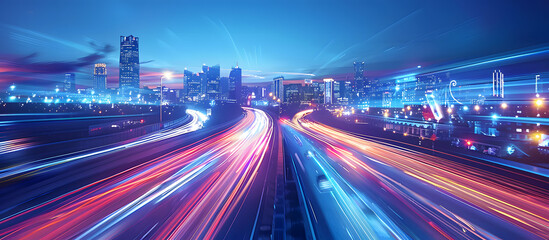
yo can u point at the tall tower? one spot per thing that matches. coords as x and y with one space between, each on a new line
192 85
328 90
69 84
278 88
360 82
100 76
212 81
235 84
497 84
129 63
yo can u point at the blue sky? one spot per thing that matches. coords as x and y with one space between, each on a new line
296 39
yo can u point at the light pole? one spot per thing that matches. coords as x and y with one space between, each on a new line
167 75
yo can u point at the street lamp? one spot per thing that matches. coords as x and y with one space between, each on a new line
167 75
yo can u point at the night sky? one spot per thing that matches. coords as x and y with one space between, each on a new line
41 40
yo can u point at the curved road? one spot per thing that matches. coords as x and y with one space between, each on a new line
201 190
357 188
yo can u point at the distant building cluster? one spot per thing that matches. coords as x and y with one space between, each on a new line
209 85
325 91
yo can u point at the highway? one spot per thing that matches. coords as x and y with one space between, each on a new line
354 187
176 184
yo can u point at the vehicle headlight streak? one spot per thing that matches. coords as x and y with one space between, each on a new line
519 203
196 123
366 227
202 185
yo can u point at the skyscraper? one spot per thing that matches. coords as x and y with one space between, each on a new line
235 84
100 76
328 90
278 88
360 82
212 74
292 93
193 85
497 84
342 92
336 90
129 63
69 84
224 88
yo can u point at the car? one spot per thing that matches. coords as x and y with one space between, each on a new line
323 183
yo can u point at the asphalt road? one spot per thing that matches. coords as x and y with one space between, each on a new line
358 188
175 184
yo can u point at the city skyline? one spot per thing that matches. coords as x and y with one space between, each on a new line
212 38
351 119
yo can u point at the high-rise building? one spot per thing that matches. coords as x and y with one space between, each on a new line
100 77
360 82
69 84
318 92
497 84
192 84
278 88
203 84
387 99
336 90
328 90
292 93
308 91
342 92
212 81
235 84
224 88
129 63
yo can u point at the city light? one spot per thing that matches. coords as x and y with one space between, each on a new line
504 105
539 102
96 148
167 75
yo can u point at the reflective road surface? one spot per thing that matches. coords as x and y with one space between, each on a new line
167 189
356 188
